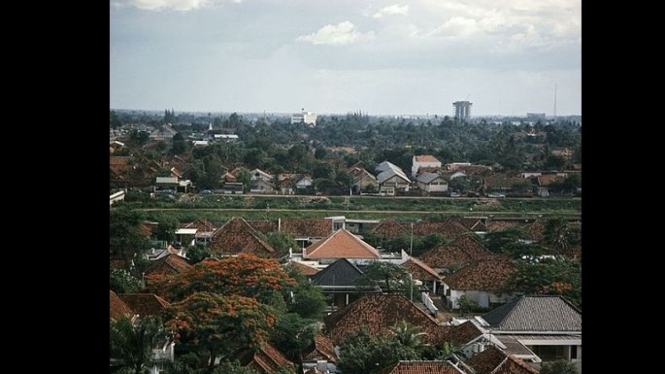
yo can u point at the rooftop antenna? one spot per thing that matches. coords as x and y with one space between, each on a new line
554 100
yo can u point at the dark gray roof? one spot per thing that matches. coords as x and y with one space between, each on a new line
340 273
535 313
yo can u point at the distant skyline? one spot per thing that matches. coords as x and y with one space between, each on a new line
382 57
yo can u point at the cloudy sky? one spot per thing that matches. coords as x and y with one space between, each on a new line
337 56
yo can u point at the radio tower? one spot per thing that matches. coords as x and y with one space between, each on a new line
555 100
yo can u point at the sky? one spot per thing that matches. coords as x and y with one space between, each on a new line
394 57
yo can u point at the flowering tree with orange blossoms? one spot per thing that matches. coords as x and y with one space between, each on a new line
219 324
245 275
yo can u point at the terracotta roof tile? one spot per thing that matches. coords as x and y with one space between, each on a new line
144 304
267 359
378 313
463 334
494 361
425 158
462 251
237 236
420 367
448 228
307 227
340 244
390 228
118 308
547 179
421 270
169 264
201 225
304 269
484 275
263 226
320 349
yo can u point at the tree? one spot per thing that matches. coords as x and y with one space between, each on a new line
198 253
122 281
227 367
389 276
245 275
547 276
558 236
219 324
466 305
281 241
558 367
125 236
166 228
131 344
409 336
308 299
292 334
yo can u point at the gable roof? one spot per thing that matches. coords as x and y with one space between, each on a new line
421 270
118 308
386 165
421 367
201 224
304 269
494 361
169 264
378 313
484 275
449 228
340 273
425 158
535 313
390 228
430 177
547 179
320 349
144 304
340 244
463 334
263 226
462 251
307 227
390 173
237 236
266 359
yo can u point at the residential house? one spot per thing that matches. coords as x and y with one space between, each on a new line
266 359
431 182
377 313
450 228
451 256
340 244
538 329
481 281
392 179
390 228
204 230
338 282
144 304
175 183
237 236
320 349
118 308
260 185
501 183
493 360
303 268
166 265
422 367
286 183
363 181
306 231
422 272
423 161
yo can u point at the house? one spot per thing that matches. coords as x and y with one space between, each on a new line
431 182
377 313
449 257
305 185
306 231
363 181
303 268
237 236
422 367
119 308
286 183
259 185
538 328
422 272
321 349
266 359
481 281
392 179
450 228
204 230
493 360
390 228
167 265
174 183
338 281
144 304
424 161
340 244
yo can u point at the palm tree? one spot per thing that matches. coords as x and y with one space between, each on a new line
131 343
557 235
409 336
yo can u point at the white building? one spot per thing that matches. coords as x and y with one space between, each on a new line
308 118
427 161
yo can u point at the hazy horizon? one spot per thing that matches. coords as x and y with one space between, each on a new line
384 58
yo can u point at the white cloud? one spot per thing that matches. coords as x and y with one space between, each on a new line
181 5
340 34
394 9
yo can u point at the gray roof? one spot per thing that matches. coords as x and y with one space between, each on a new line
340 273
385 175
535 313
429 177
386 165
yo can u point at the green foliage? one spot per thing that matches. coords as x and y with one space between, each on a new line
226 367
558 367
281 241
198 253
125 236
121 281
466 305
292 334
558 236
132 344
308 299
390 277
167 227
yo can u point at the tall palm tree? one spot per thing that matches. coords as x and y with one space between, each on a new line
131 343
409 336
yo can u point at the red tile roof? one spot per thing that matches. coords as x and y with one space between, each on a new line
494 361
201 225
420 367
421 270
118 308
169 264
484 275
390 228
263 226
378 313
144 304
304 269
463 334
340 244
426 158
547 179
307 227
267 359
321 349
448 228
462 251
237 236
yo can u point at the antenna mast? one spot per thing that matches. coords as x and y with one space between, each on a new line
554 100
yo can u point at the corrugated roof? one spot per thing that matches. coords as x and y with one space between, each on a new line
535 313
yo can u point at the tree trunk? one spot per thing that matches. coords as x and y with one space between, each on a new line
212 359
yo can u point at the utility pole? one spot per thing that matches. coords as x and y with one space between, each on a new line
411 242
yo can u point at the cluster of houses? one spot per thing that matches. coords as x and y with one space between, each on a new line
428 176
517 335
